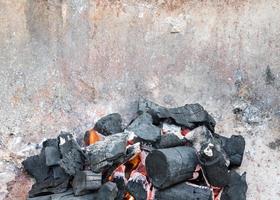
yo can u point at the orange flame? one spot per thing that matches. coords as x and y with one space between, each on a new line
92 136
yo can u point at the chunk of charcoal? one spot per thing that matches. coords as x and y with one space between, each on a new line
52 155
72 157
121 185
166 167
213 165
68 195
103 154
109 124
199 136
236 188
108 191
36 167
85 182
136 187
184 191
49 186
143 127
233 147
169 140
189 115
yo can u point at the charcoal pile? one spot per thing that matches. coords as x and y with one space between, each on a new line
163 154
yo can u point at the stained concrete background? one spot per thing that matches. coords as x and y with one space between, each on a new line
66 63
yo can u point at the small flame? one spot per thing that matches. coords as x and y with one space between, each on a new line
92 136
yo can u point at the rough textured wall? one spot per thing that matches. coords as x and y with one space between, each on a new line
65 63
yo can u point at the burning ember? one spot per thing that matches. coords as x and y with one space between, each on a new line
163 154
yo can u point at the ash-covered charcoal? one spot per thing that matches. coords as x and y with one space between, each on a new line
169 140
199 136
236 188
72 157
85 182
233 147
103 154
136 186
184 191
166 167
144 129
108 191
189 115
68 195
213 165
109 124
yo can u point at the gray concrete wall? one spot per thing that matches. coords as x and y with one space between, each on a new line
65 63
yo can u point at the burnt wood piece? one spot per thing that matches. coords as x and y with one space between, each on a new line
108 191
72 157
166 167
85 182
52 155
109 124
143 127
136 188
184 191
213 165
236 188
189 115
233 147
68 195
169 140
104 154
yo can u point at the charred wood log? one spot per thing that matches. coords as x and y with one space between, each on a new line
85 182
108 191
167 167
184 191
214 165
190 115
109 124
104 154
236 188
144 129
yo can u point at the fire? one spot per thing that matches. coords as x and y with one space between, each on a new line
128 196
92 136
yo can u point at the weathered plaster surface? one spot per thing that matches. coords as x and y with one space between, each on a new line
65 63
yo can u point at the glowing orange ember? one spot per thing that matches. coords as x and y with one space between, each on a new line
92 136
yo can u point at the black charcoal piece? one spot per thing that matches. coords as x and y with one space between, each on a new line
184 191
106 153
68 195
72 157
166 167
143 127
189 115
85 182
233 147
52 155
169 140
213 165
36 166
236 188
109 124
136 188
121 185
108 191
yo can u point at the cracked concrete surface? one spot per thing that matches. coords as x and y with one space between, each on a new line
64 64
